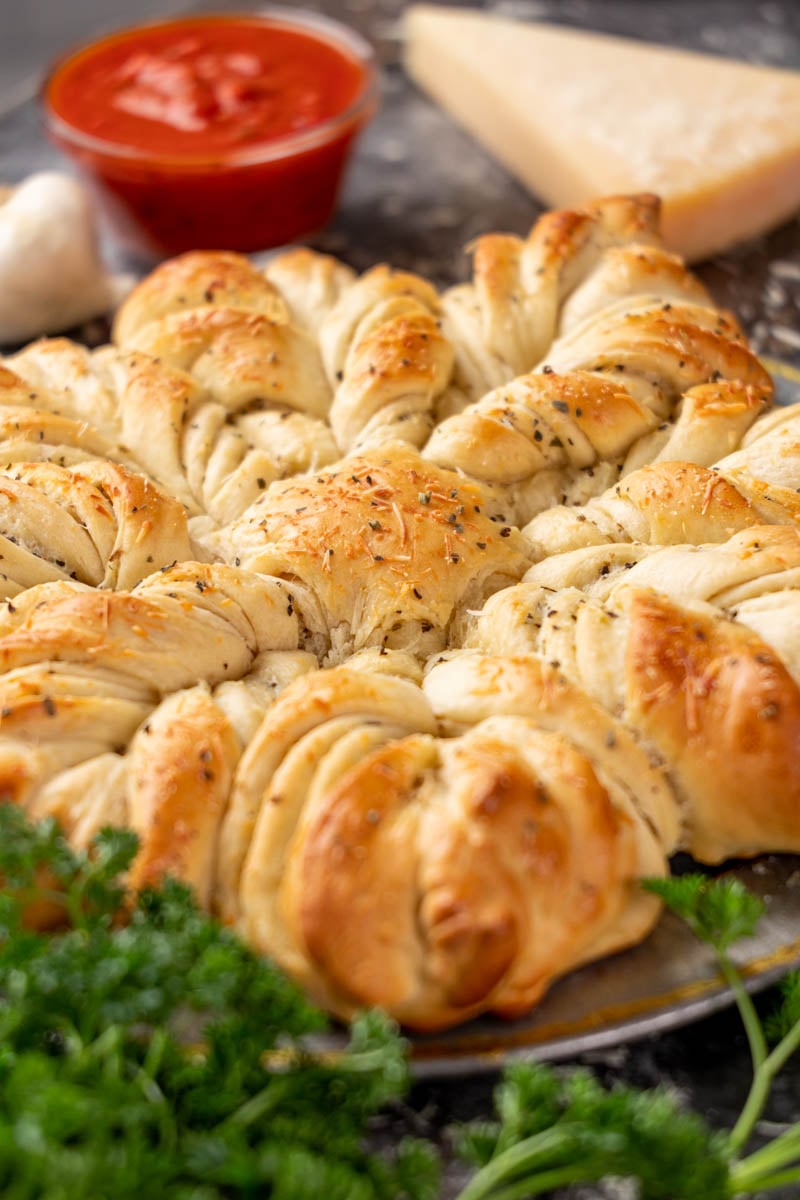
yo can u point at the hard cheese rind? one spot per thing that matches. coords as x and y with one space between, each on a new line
577 114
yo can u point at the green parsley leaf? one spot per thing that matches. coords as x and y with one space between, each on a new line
720 912
145 1051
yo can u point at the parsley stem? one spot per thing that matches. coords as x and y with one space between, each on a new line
761 1085
780 1152
259 1105
525 1156
779 1179
546 1181
759 1088
105 1044
155 1053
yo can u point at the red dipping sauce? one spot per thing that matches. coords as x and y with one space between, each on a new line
227 132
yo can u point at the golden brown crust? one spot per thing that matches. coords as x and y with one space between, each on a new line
96 523
502 323
725 714
710 696
627 272
57 715
673 500
195 280
390 545
180 766
376 890
258 828
382 345
468 688
684 344
416 829
240 357
218 451
761 559
562 247
182 625
71 381
357 846
538 422
710 419
31 436
664 504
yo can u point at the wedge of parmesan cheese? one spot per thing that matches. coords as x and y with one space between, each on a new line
577 115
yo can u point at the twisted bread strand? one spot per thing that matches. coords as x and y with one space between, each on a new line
200 279
358 847
381 343
607 386
236 394
69 381
243 402
57 715
298 286
769 454
665 504
637 335
754 562
217 459
170 787
388 703
96 523
310 283
466 688
181 625
32 429
240 358
524 293
234 401
174 430
717 699
107 716
754 576
670 502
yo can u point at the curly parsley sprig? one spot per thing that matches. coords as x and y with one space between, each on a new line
158 1056
555 1129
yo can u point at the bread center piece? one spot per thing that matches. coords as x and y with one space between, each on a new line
393 548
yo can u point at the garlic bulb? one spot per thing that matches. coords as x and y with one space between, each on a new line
51 274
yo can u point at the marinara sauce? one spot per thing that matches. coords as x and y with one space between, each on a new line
228 132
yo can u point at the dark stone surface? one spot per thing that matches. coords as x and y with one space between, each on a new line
418 192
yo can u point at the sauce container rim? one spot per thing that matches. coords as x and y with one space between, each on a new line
315 25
